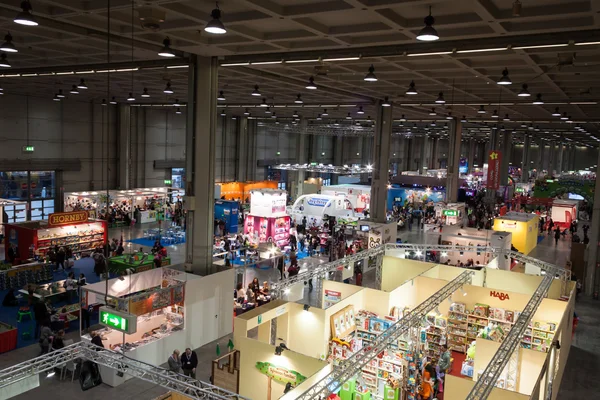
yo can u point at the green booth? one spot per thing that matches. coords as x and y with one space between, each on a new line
138 262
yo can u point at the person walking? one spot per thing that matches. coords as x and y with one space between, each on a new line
41 315
175 362
60 258
45 338
70 286
189 362
556 236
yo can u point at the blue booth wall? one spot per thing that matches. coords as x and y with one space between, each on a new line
229 212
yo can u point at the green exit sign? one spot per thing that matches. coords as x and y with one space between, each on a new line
118 321
168 182
451 213
28 149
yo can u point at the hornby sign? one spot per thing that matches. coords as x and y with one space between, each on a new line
67 218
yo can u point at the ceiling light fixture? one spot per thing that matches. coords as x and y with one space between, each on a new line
434 53
145 93
506 118
449 116
564 116
360 110
482 50
432 112
223 113
325 112
56 98
264 103
178 111
463 119
215 26
319 117
538 100
403 118
342 59
4 61
386 102
370 77
221 96
440 99
246 112
481 110
168 89
113 100
166 51
82 85
495 114
8 45
176 104
74 90
428 33
411 88
298 99
255 92
60 94
103 102
268 110
311 84
524 91
516 8
556 113
505 80
25 17
130 97
348 116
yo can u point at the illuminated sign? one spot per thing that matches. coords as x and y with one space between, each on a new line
280 374
118 321
28 149
67 218
168 181
450 213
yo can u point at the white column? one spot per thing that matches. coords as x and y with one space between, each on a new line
454 141
525 159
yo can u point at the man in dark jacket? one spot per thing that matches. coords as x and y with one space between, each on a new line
189 362
41 315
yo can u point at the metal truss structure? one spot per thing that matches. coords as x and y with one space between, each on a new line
325 168
187 386
509 345
357 361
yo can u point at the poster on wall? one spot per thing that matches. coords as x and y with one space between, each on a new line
280 374
331 297
463 166
146 303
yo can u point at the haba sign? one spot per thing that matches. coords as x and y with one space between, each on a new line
280 374
499 295
67 218
494 169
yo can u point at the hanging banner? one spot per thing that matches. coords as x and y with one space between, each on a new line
494 169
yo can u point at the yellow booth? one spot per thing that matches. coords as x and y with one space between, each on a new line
522 226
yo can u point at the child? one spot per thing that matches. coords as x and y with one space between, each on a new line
63 315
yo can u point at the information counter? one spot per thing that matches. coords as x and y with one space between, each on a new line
137 262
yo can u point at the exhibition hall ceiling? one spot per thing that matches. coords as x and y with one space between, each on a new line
552 46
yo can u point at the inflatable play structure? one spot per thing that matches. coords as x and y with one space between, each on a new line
315 206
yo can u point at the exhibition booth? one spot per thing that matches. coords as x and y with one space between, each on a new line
401 196
316 206
268 221
149 314
358 195
523 228
149 201
451 213
457 236
240 191
228 212
564 212
477 316
71 230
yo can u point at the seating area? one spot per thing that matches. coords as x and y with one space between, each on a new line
168 237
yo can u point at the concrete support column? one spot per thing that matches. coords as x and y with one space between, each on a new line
525 159
551 164
408 150
200 164
454 141
301 158
382 141
539 165
471 158
592 275
433 157
366 156
573 157
251 160
124 135
423 155
241 159
559 165
506 155
338 155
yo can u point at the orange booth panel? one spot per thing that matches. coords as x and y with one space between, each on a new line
241 190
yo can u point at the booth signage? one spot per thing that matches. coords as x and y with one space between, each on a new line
280 374
122 322
450 213
317 201
494 169
501 296
67 218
